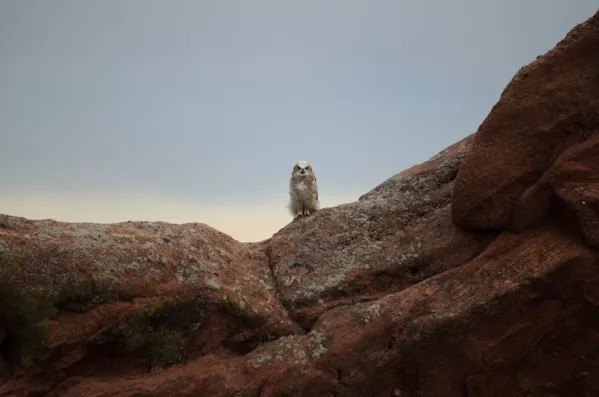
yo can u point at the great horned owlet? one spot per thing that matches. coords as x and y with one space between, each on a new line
303 190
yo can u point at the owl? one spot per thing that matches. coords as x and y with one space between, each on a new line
303 190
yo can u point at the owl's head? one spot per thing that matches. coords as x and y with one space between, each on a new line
302 168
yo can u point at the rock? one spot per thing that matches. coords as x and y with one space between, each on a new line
155 294
394 236
550 108
575 179
385 296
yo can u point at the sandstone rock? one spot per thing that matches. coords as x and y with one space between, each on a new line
385 296
551 105
149 294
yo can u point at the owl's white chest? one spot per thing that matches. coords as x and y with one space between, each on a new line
302 190
301 187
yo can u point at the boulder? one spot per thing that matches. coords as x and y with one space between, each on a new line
536 149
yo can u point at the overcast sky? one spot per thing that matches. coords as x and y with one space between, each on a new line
196 111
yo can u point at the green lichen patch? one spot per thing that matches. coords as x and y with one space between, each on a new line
159 331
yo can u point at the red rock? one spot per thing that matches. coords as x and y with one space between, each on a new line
551 105
385 296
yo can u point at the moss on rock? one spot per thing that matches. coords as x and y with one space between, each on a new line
28 300
23 315
159 331
82 296
167 347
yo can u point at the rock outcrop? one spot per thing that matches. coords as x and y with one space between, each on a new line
473 274
539 145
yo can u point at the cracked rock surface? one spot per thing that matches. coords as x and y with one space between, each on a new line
473 274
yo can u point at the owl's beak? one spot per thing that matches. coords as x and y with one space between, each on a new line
303 171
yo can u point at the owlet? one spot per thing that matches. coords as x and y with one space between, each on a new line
303 190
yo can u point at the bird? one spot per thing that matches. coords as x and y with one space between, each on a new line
303 190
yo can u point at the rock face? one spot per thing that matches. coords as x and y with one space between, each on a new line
473 274
539 146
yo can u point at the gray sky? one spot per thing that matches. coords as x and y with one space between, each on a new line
196 111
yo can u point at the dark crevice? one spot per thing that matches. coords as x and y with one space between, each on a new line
391 343
268 253
271 266
246 346
411 380
5 353
418 269
352 302
260 390
296 265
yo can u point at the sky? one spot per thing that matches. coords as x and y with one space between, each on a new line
196 111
